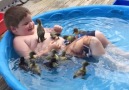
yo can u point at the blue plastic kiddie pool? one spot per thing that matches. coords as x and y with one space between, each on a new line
112 20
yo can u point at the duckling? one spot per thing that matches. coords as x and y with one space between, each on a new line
63 56
53 55
52 63
40 31
35 68
54 35
31 54
82 71
23 65
69 39
76 31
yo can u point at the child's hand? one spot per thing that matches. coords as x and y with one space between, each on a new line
54 45
57 28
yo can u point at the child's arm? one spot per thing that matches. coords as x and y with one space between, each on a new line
52 45
21 47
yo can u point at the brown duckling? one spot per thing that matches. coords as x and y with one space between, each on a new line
23 65
35 68
82 71
40 31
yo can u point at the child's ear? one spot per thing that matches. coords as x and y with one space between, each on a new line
13 29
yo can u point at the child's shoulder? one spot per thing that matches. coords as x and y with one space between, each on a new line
18 39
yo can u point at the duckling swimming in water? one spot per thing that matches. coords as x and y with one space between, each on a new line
40 31
53 55
52 63
23 65
82 71
35 68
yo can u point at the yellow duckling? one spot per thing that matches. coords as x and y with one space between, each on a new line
82 71
31 54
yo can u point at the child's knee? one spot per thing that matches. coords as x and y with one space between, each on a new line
96 47
95 41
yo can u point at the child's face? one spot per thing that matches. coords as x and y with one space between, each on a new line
25 27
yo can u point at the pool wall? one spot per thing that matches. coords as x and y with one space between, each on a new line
6 46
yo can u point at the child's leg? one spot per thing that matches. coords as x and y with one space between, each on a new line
76 47
96 47
102 38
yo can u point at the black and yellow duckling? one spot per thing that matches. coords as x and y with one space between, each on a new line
23 64
53 55
40 31
52 63
35 68
76 31
54 35
69 39
63 56
31 54
82 71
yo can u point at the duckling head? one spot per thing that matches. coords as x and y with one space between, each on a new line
54 51
38 21
85 64
75 31
22 60
63 53
31 54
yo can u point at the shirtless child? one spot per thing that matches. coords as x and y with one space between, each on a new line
18 21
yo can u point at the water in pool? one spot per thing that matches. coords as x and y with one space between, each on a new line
109 72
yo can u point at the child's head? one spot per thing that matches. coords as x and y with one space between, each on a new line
16 18
14 15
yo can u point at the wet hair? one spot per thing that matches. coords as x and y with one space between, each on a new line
14 15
